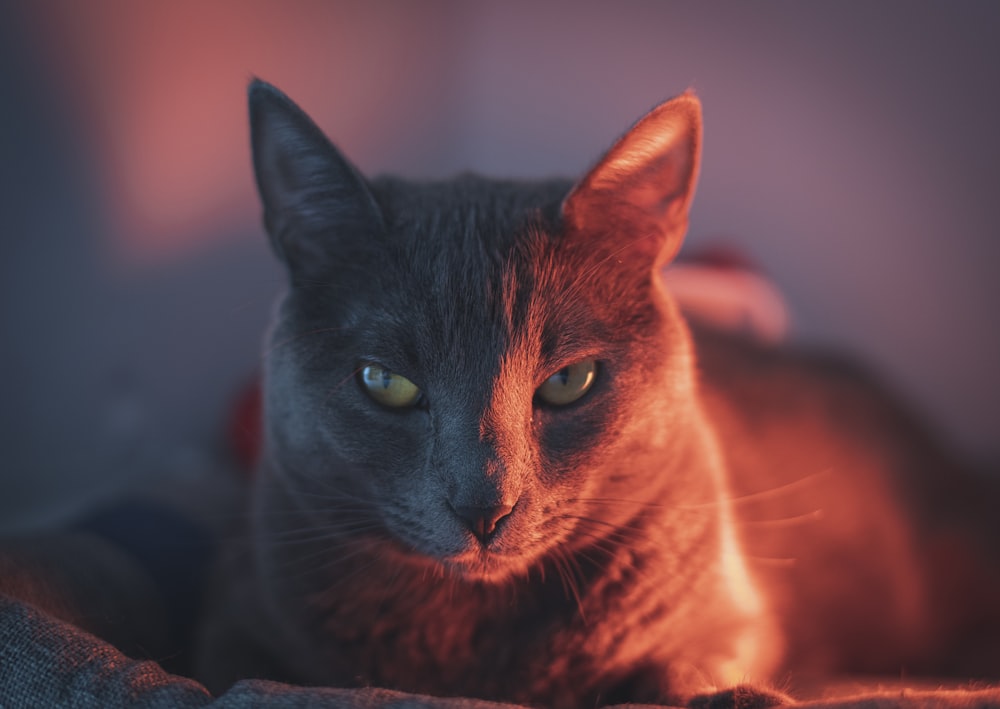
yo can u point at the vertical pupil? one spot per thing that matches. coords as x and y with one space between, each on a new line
386 378
563 375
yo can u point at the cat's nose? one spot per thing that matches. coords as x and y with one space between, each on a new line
483 521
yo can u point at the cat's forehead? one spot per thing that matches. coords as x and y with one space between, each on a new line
462 246
468 213
467 265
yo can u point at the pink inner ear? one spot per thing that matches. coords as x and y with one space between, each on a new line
640 191
643 150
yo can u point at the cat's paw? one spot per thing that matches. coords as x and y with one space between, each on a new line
742 696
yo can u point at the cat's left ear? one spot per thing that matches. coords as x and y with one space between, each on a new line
637 197
316 203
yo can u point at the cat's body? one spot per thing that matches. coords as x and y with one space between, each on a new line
494 467
874 545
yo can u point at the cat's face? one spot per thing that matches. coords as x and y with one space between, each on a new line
475 374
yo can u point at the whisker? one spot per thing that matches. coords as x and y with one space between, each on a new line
582 281
576 577
762 495
286 513
336 496
389 589
359 571
621 533
794 521
618 501
295 338
592 520
776 562
333 561
344 381
567 578
304 535
344 579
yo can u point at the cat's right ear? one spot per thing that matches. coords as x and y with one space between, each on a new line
312 196
635 201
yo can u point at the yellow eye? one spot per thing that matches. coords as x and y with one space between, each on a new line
389 388
569 383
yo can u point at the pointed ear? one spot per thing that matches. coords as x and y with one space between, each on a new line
637 197
312 196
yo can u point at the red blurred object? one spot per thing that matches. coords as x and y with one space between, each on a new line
721 287
244 430
721 255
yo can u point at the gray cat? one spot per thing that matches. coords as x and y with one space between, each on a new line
497 463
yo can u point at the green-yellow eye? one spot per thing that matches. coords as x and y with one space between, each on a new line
389 388
569 383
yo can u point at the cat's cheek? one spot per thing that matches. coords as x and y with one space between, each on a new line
423 531
572 440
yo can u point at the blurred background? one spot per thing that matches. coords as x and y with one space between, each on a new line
852 150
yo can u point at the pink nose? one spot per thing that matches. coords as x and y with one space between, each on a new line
483 521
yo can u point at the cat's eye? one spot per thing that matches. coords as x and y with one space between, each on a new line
569 383
388 388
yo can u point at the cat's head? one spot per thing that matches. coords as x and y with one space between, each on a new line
476 373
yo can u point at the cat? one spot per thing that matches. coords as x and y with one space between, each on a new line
499 463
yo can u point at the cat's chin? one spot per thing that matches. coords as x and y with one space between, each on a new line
472 564
484 566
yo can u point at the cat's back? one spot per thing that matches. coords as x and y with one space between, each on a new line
864 529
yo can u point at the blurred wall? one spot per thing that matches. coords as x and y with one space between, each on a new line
851 149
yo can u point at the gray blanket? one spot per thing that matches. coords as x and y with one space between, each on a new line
53 588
